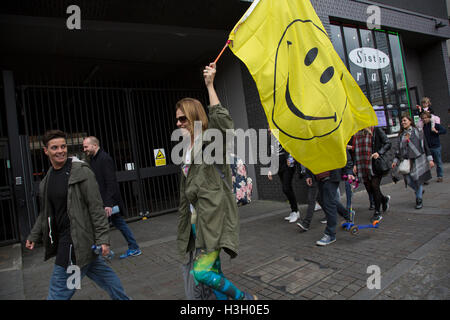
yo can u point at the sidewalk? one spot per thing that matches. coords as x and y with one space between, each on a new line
278 262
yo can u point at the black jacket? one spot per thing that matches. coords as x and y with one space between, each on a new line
380 142
433 137
103 166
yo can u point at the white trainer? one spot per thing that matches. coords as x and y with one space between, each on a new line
295 217
317 207
288 218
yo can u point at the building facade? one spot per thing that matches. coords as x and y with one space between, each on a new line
118 74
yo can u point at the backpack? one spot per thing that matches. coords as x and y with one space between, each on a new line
242 184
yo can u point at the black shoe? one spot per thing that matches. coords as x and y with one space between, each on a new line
386 203
372 206
376 217
303 226
419 203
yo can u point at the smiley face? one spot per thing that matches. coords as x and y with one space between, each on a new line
309 97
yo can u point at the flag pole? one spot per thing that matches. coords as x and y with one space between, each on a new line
221 52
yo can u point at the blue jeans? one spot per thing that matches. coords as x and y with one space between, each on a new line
98 271
437 158
328 200
121 225
418 189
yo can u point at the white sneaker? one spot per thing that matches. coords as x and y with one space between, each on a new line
291 215
317 207
296 215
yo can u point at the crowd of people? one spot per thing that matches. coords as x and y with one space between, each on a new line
78 199
418 150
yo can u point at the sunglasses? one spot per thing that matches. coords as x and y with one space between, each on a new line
182 119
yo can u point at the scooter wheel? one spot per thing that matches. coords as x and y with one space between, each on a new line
354 230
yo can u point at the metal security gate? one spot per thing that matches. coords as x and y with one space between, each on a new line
8 223
130 124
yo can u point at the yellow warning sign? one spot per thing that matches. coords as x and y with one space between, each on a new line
160 157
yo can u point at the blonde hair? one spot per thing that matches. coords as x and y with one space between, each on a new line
426 99
194 111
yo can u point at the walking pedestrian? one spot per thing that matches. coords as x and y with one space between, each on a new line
313 199
434 143
347 180
328 184
371 144
414 151
208 216
286 172
71 220
103 166
313 192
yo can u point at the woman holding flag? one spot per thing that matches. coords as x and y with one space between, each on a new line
208 216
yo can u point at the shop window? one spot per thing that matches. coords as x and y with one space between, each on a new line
336 39
374 58
398 69
352 44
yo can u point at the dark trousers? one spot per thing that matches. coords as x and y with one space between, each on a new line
374 190
286 175
314 195
329 203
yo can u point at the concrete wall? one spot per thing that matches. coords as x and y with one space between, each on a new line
434 63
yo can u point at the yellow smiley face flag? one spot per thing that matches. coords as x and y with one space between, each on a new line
305 89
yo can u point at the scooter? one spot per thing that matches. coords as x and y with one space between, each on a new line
351 226
354 228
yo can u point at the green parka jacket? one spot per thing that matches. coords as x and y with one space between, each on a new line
88 221
217 222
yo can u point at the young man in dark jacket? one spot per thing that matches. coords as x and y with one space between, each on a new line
434 143
103 166
71 220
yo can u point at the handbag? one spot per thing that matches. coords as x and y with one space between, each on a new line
404 167
380 166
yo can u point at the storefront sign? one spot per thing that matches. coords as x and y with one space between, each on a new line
369 58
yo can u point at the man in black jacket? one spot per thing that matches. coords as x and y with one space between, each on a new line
434 143
103 166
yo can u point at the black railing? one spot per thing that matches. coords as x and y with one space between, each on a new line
130 124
